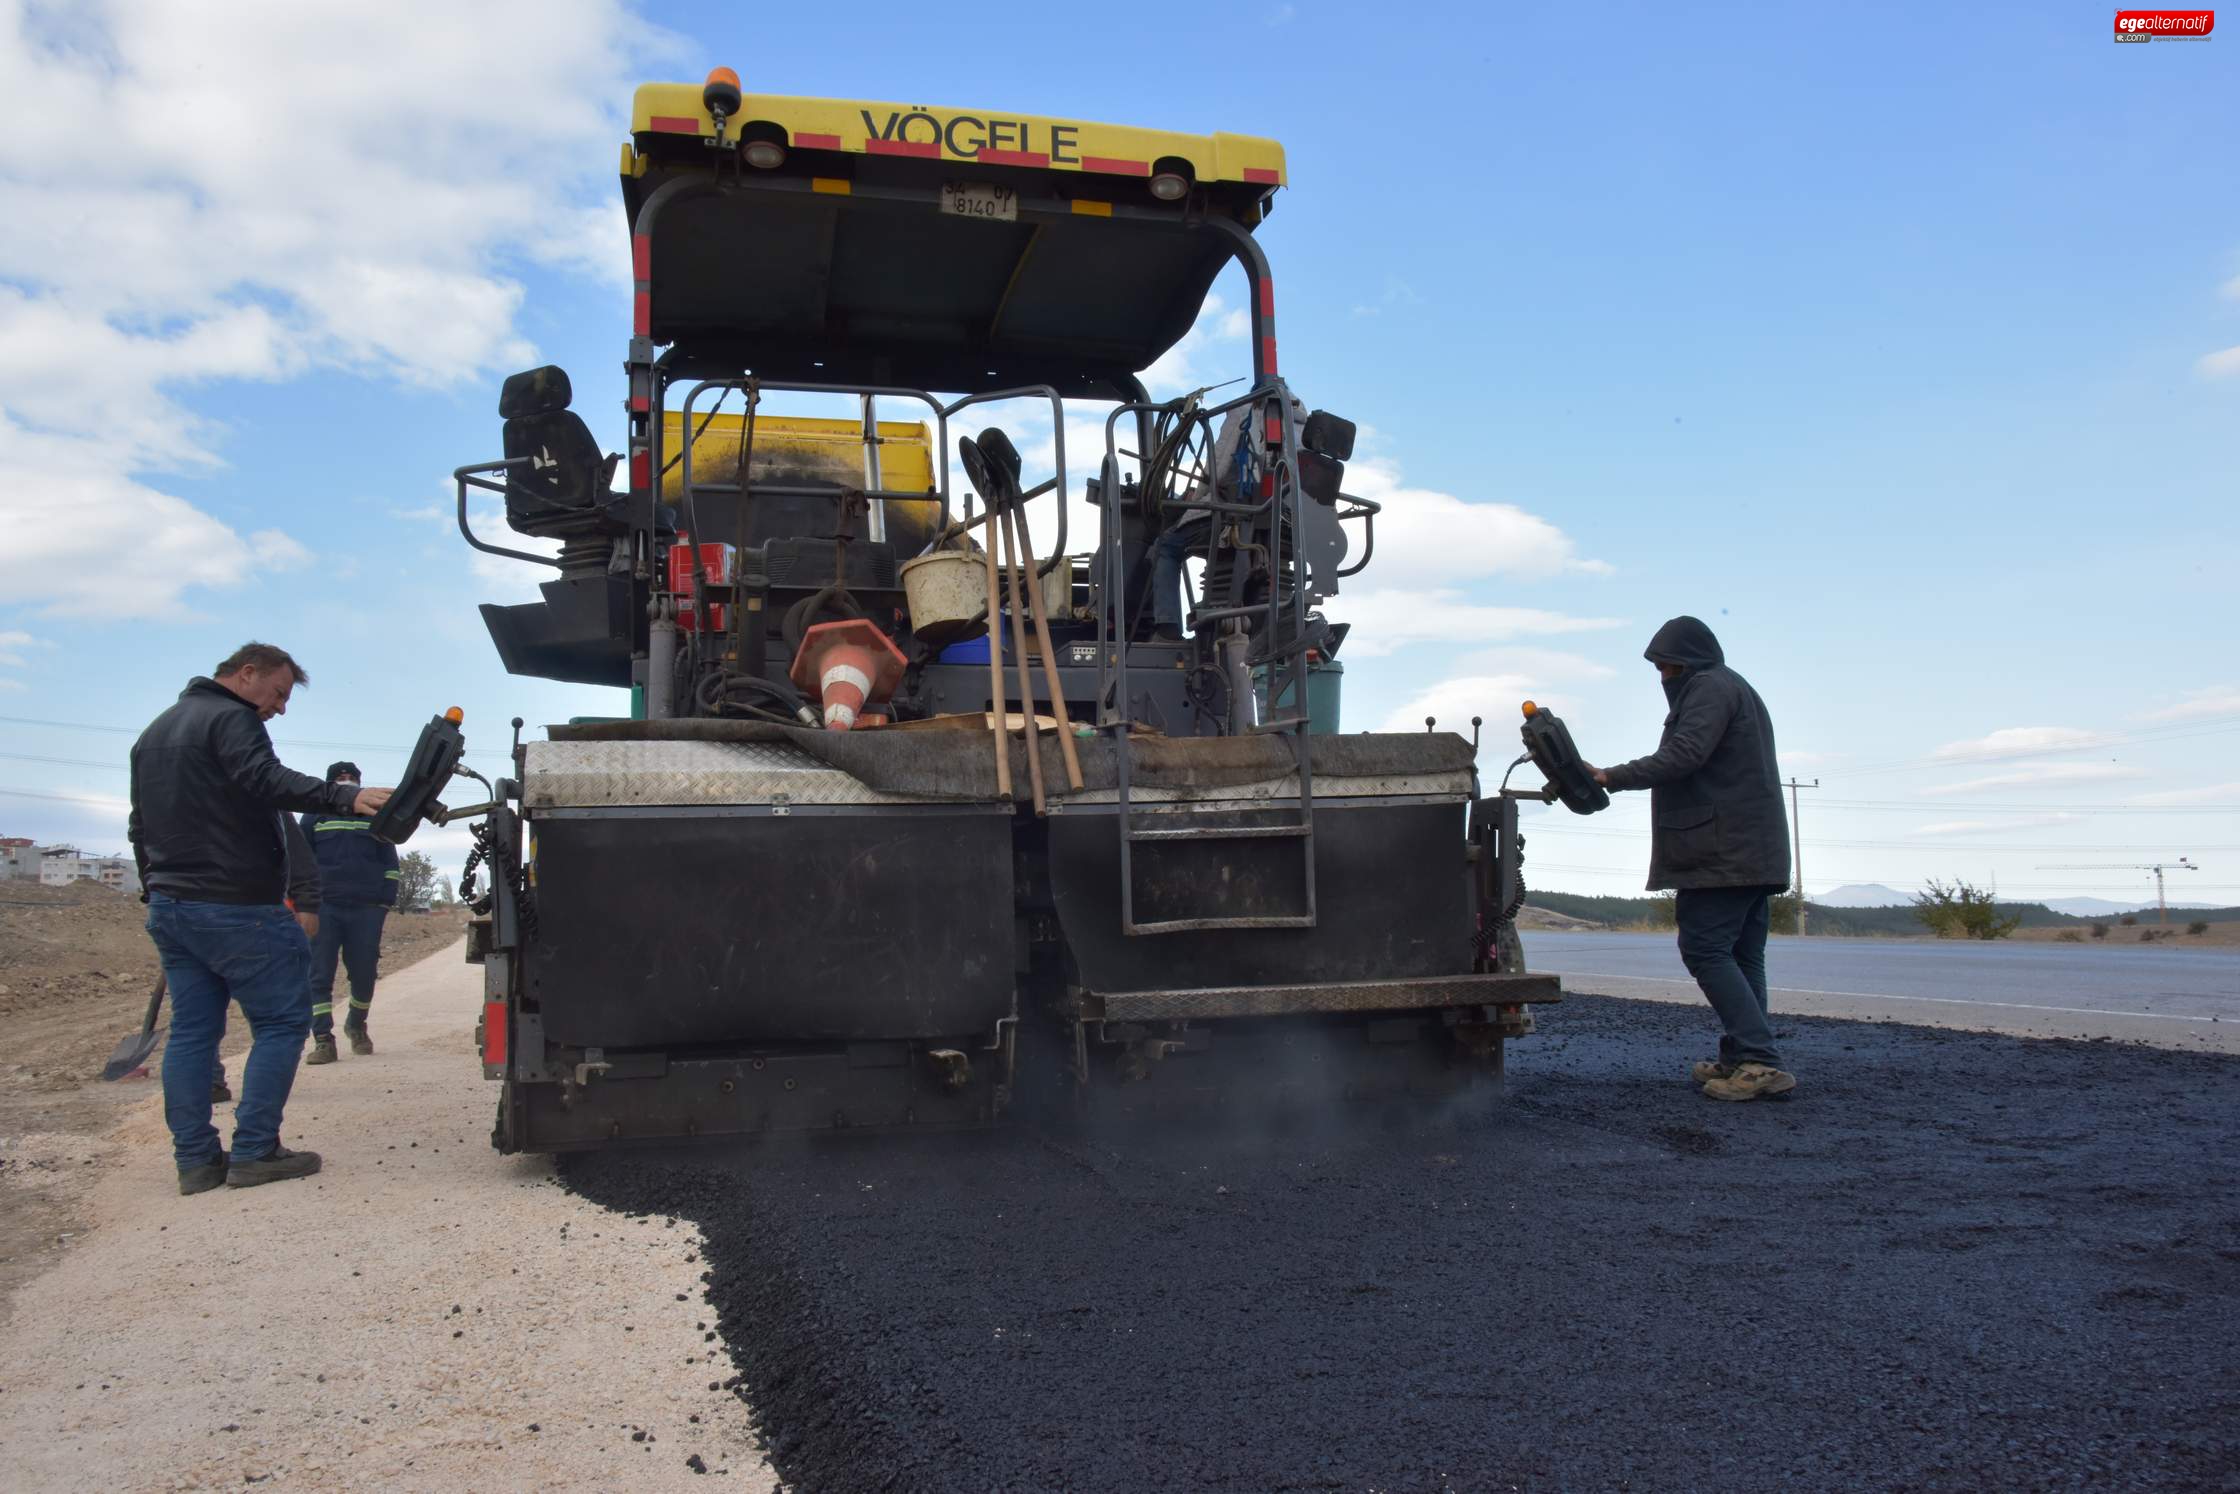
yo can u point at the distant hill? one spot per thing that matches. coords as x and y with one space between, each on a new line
2100 907
1863 895
1827 918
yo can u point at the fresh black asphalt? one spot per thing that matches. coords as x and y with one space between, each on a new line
1952 1260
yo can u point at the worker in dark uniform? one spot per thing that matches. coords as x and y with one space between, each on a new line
1719 836
358 886
211 842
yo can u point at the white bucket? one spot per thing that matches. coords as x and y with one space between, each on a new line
948 590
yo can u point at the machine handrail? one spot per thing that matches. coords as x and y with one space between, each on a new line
467 477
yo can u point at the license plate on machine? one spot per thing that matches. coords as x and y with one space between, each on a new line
980 200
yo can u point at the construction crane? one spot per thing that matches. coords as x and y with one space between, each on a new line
2157 867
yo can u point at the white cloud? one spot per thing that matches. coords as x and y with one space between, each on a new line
1426 537
2215 793
12 647
1455 699
2219 365
2216 700
11 685
1384 620
2043 775
1978 827
1206 354
63 505
1397 292
2011 740
270 189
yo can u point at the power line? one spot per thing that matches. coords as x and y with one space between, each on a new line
134 731
61 798
2174 733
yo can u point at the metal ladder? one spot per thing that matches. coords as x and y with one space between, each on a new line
1277 510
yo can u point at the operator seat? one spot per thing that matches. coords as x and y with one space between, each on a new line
564 487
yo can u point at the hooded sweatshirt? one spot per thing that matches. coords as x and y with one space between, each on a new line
1714 785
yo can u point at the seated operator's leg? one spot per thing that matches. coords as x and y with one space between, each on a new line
1167 554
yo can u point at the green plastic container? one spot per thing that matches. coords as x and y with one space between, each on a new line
1325 692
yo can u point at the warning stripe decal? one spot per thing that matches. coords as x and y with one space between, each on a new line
926 149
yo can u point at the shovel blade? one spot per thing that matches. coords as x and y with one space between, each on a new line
131 1054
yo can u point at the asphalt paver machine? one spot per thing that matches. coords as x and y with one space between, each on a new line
911 818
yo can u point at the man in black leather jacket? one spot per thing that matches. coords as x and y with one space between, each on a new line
1720 837
209 833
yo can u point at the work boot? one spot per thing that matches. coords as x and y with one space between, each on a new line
220 1092
204 1178
322 1050
276 1168
1704 1070
1751 1081
1164 634
361 1041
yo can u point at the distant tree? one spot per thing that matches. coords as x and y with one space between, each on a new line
2198 926
444 894
1663 911
416 878
2099 931
1963 912
1781 914
2128 921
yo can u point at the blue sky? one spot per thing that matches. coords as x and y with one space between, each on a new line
1905 350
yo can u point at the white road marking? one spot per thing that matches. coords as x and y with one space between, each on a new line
2019 1006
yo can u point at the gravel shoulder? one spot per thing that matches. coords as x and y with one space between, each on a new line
422 1315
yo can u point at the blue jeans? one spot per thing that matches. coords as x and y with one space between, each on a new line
1168 552
350 932
1723 944
213 954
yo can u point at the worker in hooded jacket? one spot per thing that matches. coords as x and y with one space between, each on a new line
358 886
1720 839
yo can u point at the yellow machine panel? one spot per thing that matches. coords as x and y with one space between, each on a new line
804 448
986 137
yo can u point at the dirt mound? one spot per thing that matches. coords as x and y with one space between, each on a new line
66 946
1529 917
76 967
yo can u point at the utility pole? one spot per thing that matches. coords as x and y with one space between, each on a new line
1796 836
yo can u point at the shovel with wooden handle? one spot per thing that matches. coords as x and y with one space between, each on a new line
134 1050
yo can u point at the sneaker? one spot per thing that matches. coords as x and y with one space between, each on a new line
322 1050
361 1041
220 1092
281 1165
1751 1081
204 1178
1704 1070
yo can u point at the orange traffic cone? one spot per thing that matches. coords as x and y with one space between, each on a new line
848 665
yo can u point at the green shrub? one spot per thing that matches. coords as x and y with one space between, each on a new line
2128 921
1962 912
2070 936
2198 926
2099 931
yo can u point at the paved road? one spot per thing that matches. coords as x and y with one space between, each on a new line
2189 997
